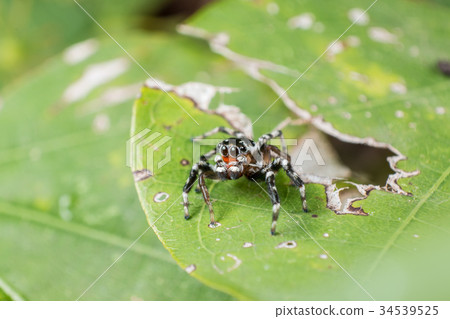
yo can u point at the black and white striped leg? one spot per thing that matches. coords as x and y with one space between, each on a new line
266 137
208 155
303 197
201 167
205 193
273 193
296 180
187 188
204 159
222 129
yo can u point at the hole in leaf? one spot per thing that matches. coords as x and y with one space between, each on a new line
184 162
160 197
321 154
368 164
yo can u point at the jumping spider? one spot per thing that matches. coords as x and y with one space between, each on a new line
240 156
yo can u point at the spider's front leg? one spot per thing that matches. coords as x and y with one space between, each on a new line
187 188
273 193
267 137
203 170
205 193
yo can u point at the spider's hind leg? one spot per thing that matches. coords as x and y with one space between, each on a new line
296 180
273 193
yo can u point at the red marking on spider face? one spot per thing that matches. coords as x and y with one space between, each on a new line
229 160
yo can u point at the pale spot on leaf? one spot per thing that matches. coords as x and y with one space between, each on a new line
303 21
80 51
101 123
272 8
398 88
160 197
399 114
95 75
191 268
382 35
287 244
358 16
440 110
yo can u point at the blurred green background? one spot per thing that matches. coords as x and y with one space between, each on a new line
32 31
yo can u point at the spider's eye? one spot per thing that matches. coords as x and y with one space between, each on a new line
243 149
224 150
234 151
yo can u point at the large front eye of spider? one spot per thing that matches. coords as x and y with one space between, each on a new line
234 151
224 150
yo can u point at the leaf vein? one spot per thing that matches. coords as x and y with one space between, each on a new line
84 231
408 219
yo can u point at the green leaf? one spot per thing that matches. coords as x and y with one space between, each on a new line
391 92
68 208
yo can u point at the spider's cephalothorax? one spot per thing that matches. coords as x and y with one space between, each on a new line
234 158
240 156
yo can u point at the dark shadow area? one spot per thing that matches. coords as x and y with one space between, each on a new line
368 164
169 14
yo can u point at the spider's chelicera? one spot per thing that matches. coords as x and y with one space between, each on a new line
240 156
